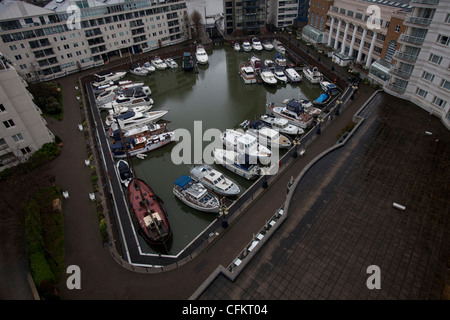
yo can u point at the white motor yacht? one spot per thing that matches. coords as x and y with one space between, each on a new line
313 75
214 180
171 63
247 74
256 44
236 46
201 55
268 137
106 77
148 66
292 75
282 125
267 45
246 46
158 63
279 74
237 163
267 76
244 143
139 71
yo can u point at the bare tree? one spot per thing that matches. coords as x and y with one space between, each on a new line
196 22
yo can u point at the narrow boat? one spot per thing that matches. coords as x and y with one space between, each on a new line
280 75
292 75
329 88
256 44
239 164
106 77
171 63
237 47
188 61
148 66
247 74
294 113
124 171
201 55
246 46
267 136
267 45
282 125
214 180
313 75
267 76
158 63
135 146
244 143
280 60
195 195
149 212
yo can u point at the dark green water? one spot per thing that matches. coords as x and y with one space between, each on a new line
218 98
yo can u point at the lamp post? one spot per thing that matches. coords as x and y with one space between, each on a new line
296 143
264 172
223 212
338 105
319 120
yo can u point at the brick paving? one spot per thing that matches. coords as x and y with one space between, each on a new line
342 218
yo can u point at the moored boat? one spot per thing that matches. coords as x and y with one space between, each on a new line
280 75
239 164
149 212
140 145
148 66
321 100
292 75
188 61
236 46
132 119
267 136
195 195
267 45
214 180
201 55
124 171
267 76
329 88
313 75
256 63
282 125
138 131
105 77
247 74
256 44
244 143
158 63
280 60
294 113
171 63
246 46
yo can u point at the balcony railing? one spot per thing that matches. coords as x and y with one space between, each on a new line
411 39
394 87
425 1
418 20
404 56
400 73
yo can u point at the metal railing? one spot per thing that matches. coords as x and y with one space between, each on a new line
404 56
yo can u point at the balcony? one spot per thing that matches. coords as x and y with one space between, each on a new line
417 20
400 73
424 1
395 88
410 39
398 55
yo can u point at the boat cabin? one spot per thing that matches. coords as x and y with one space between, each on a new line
152 220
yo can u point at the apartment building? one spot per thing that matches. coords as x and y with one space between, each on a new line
284 13
245 17
66 36
421 72
358 30
22 129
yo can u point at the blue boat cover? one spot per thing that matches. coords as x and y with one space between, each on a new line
119 144
183 180
295 106
321 98
125 115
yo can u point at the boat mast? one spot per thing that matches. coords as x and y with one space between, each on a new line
130 163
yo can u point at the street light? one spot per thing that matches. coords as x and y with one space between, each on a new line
319 120
223 212
296 143
338 103
264 172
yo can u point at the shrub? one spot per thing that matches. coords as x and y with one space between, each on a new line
40 269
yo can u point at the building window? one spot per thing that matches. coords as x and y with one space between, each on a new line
428 76
17 137
387 24
439 102
358 16
421 92
2 108
9 123
25 150
435 59
447 20
443 40
445 84
397 28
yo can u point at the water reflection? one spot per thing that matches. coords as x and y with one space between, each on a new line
218 97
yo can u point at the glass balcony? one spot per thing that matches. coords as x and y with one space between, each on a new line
418 20
404 56
400 73
394 87
424 1
410 39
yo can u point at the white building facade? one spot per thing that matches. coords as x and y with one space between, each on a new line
22 128
50 42
421 73
282 13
